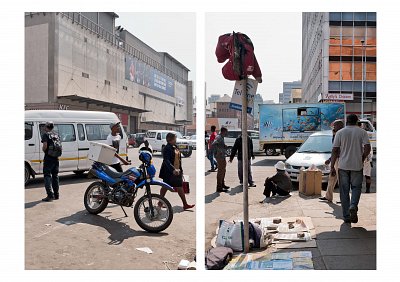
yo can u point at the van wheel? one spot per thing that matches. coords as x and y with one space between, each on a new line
79 172
187 154
290 150
270 152
27 174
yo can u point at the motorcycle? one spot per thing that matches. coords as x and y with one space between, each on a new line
152 212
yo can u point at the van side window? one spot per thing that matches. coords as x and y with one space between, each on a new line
97 131
28 130
66 132
159 136
81 132
151 134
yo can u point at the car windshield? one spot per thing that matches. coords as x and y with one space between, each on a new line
317 144
193 137
178 135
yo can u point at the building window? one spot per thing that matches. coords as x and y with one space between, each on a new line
347 16
371 16
335 17
334 51
370 71
347 86
334 70
347 71
357 71
360 16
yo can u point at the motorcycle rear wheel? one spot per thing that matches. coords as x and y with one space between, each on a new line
163 213
96 191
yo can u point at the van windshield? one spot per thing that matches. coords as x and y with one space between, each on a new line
317 144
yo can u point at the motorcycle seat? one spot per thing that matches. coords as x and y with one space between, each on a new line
113 173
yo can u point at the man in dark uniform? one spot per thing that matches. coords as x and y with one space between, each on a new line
50 165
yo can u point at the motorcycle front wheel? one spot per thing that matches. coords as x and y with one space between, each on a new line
162 213
95 198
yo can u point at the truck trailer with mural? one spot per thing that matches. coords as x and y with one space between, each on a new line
285 127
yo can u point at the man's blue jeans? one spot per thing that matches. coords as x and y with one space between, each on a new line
213 162
350 179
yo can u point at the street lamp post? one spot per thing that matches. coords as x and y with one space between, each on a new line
362 77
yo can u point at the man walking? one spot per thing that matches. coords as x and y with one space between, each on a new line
337 125
52 150
210 151
352 147
114 139
237 147
219 148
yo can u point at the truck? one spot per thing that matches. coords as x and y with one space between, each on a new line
287 126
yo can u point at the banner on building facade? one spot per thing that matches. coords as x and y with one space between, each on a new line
141 73
336 97
181 101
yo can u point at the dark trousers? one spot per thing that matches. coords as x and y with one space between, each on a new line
117 167
50 171
221 172
272 187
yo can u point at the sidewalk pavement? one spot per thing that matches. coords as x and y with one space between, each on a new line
339 245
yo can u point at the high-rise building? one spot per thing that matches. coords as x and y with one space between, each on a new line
339 60
288 87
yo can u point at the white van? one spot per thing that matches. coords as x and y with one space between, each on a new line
157 140
235 133
76 129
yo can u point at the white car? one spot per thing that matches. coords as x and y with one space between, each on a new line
315 150
192 141
235 133
157 140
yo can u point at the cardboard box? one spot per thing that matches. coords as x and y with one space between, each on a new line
310 182
101 153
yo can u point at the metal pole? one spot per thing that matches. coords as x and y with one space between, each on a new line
362 79
245 160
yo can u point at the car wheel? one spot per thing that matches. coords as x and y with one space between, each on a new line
27 174
228 151
270 152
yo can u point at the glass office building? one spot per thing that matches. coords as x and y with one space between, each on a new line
337 48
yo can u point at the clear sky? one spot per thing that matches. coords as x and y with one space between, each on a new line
174 33
277 43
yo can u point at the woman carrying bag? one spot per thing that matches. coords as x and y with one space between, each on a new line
171 169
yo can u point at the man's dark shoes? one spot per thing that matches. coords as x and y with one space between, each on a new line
212 170
226 187
221 189
48 199
252 185
56 197
353 215
347 220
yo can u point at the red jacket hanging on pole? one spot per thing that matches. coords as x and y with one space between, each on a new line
238 49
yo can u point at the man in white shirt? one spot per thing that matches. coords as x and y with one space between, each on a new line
351 146
114 139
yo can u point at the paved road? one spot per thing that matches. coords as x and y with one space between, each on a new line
339 246
62 235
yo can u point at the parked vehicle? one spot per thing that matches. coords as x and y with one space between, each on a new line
192 141
157 140
132 140
76 129
287 126
367 125
235 133
152 212
315 150
139 138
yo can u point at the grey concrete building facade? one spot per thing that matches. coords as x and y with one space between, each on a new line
286 96
339 59
80 61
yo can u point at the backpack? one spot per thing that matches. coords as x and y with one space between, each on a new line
55 146
217 258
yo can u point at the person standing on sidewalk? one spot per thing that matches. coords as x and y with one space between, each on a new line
52 150
352 147
367 165
210 151
219 149
337 125
113 140
237 147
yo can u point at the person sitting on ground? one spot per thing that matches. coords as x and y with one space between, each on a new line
171 170
279 184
